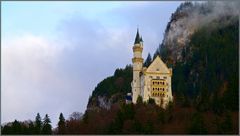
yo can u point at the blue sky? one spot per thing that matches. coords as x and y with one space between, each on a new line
55 53
40 17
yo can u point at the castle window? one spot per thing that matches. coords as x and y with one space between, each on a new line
163 89
158 77
157 69
150 76
165 77
153 89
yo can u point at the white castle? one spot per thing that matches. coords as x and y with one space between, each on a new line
153 81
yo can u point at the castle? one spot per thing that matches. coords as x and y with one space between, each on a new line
153 81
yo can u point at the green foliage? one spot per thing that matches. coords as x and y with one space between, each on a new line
161 117
139 100
28 127
47 128
61 124
16 127
38 124
210 67
118 83
125 113
197 125
226 126
151 101
148 60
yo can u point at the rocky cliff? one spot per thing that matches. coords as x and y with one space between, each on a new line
190 17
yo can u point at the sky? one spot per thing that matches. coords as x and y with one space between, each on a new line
53 54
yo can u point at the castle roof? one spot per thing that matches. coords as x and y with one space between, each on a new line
137 39
158 66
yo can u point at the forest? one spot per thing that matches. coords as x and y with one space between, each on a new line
204 84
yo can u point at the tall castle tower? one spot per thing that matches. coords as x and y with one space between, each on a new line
154 81
137 61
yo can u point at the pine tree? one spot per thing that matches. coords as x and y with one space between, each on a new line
61 124
38 124
47 128
148 60
139 100
16 127
197 125
31 128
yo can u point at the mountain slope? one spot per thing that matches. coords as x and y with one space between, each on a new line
201 44
112 89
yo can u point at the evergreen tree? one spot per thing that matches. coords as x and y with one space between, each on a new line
197 125
148 60
226 125
158 51
38 124
16 127
151 101
139 100
61 124
31 128
47 128
7 130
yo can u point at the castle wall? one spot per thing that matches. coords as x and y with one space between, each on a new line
152 82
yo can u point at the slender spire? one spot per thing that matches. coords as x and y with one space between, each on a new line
137 39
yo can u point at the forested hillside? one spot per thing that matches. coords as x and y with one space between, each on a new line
112 89
205 66
204 55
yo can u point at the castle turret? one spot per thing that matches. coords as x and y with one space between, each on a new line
137 66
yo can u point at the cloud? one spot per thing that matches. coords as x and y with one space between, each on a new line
32 81
58 73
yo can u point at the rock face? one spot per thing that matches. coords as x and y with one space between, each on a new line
103 102
187 19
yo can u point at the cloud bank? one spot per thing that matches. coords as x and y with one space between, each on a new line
52 75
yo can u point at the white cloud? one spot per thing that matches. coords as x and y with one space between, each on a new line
31 80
